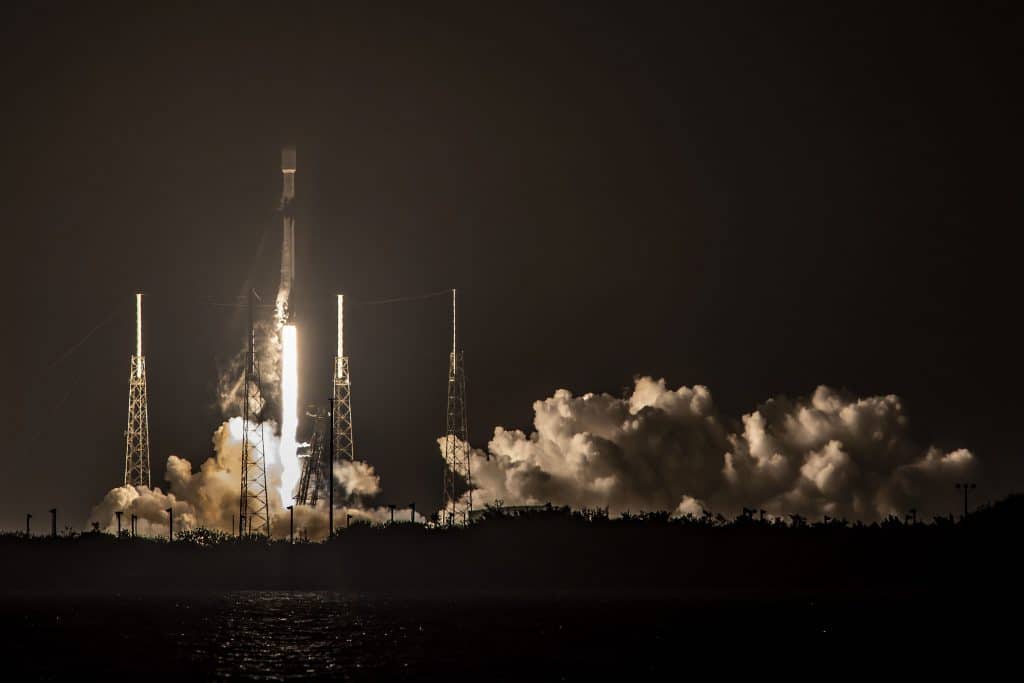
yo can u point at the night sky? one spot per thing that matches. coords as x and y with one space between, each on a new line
753 197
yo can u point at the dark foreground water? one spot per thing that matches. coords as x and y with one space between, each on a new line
327 636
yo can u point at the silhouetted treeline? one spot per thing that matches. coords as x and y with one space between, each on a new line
551 551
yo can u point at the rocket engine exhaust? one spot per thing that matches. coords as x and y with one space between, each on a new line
291 468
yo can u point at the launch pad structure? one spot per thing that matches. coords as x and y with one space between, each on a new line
344 443
333 434
253 507
317 470
314 465
136 450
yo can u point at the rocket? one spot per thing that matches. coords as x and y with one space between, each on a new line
288 242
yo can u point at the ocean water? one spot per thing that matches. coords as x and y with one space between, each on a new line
327 636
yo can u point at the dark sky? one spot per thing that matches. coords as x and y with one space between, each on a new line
755 197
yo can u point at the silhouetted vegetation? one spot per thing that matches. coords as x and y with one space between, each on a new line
545 550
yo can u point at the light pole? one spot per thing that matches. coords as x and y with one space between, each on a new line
53 522
291 524
966 486
28 525
170 524
330 478
118 515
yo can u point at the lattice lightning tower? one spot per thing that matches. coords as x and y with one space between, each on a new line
456 444
136 450
253 510
344 444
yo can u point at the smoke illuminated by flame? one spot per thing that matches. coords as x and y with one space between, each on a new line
290 467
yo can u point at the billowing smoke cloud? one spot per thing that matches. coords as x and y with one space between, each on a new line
660 449
149 505
209 496
356 478
231 379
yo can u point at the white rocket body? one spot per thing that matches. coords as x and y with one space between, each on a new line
288 242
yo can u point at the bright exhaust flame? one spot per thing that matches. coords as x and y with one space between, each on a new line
288 454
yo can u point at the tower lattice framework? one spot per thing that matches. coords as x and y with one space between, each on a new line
457 474
253 509
314 467
344 443
136 451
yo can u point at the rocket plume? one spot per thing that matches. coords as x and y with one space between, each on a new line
291 469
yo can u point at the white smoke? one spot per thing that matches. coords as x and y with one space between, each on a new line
209 497
660 449
356 478
149 505
231 379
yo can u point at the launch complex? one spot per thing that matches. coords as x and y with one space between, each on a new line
307 466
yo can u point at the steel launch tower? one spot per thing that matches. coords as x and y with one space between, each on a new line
317 465
456 442
253 508
136 451
344 444
314 462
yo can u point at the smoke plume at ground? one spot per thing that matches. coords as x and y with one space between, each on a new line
208 497
659 449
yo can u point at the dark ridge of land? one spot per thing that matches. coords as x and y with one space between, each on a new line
555 553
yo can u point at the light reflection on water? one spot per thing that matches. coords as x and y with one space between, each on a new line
283 635
272 635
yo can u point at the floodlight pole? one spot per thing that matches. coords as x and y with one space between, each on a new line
53 522
170 524
291 524
118 515
28 525
330 479
966 486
